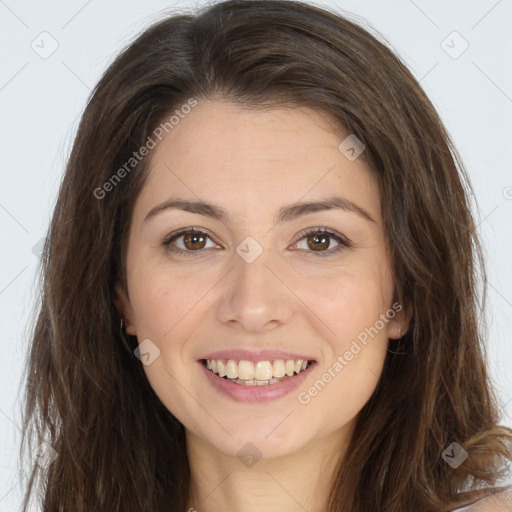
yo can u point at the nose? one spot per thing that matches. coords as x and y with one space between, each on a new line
255 297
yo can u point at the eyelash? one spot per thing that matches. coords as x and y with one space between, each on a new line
343 242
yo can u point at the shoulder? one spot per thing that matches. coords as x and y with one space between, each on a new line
499 502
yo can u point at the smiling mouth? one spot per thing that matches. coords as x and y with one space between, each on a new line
259 373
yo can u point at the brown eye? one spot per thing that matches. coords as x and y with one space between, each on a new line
318 242
187 241
194 241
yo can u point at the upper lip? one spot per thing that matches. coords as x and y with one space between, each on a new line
260 355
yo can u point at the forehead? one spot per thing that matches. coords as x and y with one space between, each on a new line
255 158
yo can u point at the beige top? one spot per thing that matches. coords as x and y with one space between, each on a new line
499 502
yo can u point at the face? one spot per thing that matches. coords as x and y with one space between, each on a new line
268 282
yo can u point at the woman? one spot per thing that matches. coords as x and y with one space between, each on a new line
259 285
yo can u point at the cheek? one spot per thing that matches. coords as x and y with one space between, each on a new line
341 389
347 302
163 305
352 306
160 299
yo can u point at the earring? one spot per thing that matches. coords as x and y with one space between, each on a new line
123 338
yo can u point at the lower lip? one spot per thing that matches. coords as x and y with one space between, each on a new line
262 393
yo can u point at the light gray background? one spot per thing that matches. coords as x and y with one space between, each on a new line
41 100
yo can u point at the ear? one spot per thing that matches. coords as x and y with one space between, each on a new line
122 303
399 323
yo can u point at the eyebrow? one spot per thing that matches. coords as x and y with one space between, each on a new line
286 213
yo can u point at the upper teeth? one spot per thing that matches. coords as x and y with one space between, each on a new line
262 370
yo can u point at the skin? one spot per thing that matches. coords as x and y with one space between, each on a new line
253 162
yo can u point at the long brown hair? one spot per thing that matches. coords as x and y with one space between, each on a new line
118 448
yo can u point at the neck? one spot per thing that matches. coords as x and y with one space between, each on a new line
296 482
